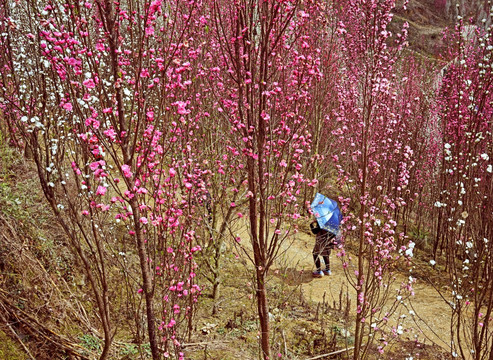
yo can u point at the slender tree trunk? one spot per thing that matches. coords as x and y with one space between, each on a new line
107 344
216 279
147 287
358 336
263 312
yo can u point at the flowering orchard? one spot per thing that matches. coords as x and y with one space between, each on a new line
463 206
157 127
86 90
376 119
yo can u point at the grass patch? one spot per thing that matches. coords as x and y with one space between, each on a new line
10 349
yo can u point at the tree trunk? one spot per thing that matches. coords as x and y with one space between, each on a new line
358 336
216 285
263 312
147 287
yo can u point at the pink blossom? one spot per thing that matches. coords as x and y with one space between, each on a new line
89 83
150 115
67 106
110 133
143 220
126 171
144 73
265 116
94 165
155 6
129 194
75 168
101 190
181 108
149 30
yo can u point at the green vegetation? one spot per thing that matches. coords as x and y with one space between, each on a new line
9 349
90 342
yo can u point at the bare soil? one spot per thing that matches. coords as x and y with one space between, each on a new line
425 317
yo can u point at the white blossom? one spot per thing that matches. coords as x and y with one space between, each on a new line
439 204
409 251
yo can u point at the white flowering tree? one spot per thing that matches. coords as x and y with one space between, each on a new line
464 205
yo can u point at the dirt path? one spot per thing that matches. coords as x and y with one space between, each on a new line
430 324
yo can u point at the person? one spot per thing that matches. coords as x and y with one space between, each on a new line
324 242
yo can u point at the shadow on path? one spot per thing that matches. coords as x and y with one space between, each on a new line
292 276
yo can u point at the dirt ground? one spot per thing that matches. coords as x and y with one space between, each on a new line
429 324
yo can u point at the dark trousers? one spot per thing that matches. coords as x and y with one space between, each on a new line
316 259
